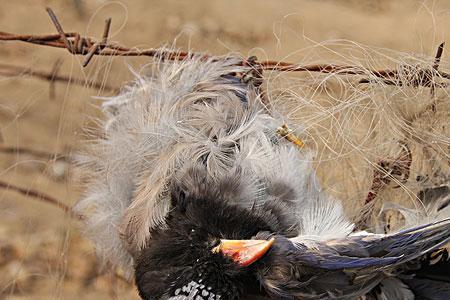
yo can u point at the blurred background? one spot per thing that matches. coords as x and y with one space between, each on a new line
42 253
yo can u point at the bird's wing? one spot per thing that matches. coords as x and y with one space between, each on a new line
289 272
345 268
373 250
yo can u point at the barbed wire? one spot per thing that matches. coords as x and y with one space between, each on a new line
51 156
76 44
41 197
53 76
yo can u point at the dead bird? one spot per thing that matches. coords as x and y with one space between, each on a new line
196 114
194 258
190 165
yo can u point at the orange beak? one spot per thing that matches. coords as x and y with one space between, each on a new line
244 252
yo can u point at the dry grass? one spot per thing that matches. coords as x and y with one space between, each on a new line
353 126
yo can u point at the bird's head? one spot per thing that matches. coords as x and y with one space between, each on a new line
204 251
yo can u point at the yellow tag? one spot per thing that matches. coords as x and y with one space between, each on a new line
284 131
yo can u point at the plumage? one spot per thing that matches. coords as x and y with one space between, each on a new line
179 261
428 276
296 268
186 112
190 155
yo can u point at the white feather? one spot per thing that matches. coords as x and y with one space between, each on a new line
187 113
437 209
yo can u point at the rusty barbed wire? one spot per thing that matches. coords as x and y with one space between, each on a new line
414 76
76 44
53 76
41 197
33 152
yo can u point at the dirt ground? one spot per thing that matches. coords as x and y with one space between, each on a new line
42 253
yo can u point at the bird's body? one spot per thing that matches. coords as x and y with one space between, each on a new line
191 156
189 114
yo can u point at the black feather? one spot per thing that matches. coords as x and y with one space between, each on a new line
179 259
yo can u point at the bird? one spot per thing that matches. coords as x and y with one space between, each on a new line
186 259
200 261
199 188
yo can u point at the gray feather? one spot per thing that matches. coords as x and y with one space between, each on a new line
183 114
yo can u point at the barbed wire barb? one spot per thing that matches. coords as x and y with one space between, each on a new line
79 45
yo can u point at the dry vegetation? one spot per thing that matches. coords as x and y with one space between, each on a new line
352 125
